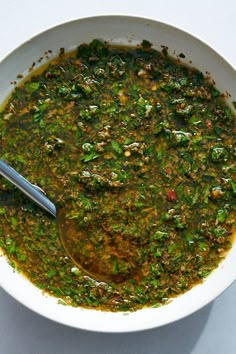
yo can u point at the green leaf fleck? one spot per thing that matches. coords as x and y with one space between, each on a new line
116 146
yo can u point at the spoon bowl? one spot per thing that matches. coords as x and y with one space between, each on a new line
87 251
78 243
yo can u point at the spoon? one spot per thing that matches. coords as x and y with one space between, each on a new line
77 243
102 256
33 192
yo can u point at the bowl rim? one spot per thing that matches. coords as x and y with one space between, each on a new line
115 16
121 328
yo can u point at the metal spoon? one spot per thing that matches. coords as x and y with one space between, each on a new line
30 190
74 242
104 259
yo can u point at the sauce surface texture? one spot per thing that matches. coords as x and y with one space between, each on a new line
140 152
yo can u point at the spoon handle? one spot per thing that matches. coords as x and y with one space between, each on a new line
31 191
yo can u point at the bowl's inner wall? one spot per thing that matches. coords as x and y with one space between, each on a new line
126 31
116 30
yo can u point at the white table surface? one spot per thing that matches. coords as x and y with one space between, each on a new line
212 330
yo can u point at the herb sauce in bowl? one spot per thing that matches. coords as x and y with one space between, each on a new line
139 150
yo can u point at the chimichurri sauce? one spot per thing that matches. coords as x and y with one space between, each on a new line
139 150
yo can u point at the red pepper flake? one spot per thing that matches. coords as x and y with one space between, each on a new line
171 196
49 75
167 171
208 124
78 63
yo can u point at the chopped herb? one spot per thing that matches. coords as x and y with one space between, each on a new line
137 152
116 146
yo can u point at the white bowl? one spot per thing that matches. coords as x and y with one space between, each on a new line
128 31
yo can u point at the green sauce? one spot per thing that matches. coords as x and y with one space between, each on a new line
140 150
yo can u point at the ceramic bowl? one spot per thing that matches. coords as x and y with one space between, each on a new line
126 31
